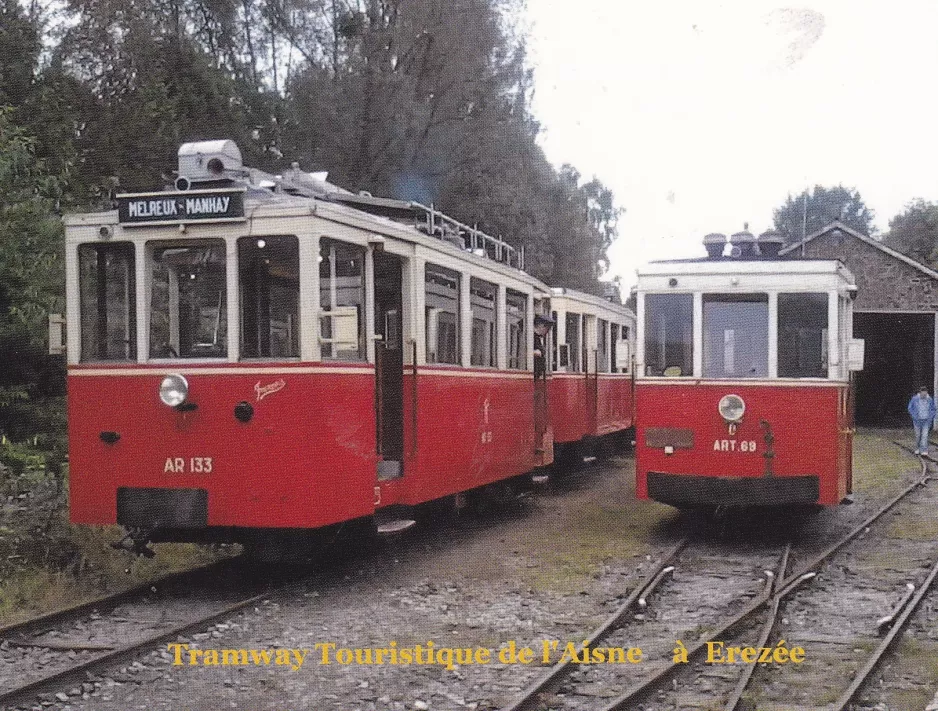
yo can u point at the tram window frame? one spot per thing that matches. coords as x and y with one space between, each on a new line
554 363
442 307
794 334
602 345
484 341
664 313
272 265
99 306
337 314
739 343
207 266
516 331
573 340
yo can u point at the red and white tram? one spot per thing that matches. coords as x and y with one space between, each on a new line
254 353
743 390
591 385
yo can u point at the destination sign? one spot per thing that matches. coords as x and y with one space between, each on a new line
181 206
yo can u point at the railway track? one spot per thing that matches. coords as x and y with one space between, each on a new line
574 685
59 654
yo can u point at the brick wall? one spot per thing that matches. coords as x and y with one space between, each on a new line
884 282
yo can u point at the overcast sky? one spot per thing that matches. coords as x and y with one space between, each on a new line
702 115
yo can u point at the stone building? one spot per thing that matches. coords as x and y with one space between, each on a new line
894 312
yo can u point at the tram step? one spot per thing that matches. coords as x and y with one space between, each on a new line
396 526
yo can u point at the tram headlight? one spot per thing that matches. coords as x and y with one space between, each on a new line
174 390
731 408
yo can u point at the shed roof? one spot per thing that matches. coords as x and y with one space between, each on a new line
838 225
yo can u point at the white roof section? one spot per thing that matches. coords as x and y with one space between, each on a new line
563 299
838 225
731 276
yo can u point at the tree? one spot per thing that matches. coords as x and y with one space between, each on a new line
32 278
914 232
795 219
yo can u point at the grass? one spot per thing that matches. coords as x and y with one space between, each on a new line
586 536
878 464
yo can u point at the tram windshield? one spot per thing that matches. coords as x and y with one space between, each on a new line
269 270
736 335
669 334
188 300
802 335
108 316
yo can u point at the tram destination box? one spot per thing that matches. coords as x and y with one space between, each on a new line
214 205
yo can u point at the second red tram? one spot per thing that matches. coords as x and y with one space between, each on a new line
743 389
251 353
591 385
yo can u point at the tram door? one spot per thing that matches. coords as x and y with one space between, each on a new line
389 366
542 366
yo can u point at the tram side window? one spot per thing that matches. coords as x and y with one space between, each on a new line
802 335
736 335
188 313
107 291
669 334
573 343
516 312
554 360
442 312
484 296
613 347
624 351
341 299
602 345
269 269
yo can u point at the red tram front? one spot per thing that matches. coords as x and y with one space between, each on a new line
743 390
252 353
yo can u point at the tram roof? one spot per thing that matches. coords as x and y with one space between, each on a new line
722 267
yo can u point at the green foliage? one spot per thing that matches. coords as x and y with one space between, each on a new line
796 219
914 231
31 269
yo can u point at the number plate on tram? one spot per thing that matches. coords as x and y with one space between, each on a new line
188 465
732 445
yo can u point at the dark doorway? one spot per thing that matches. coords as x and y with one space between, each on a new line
899 358
389 366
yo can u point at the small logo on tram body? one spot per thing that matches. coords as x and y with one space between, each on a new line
265 390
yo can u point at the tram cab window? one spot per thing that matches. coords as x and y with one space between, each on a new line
802 335
669 334
736 335
188 312
269 269
107 295
483 298
442 314
573 343
602 345
341 299
516 312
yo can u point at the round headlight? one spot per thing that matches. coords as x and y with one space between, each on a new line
174 390
731 408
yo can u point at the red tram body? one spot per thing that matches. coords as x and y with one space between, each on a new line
253 353
743 391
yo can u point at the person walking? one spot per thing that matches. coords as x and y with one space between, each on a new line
922 410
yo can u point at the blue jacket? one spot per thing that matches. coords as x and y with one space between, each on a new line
913 410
